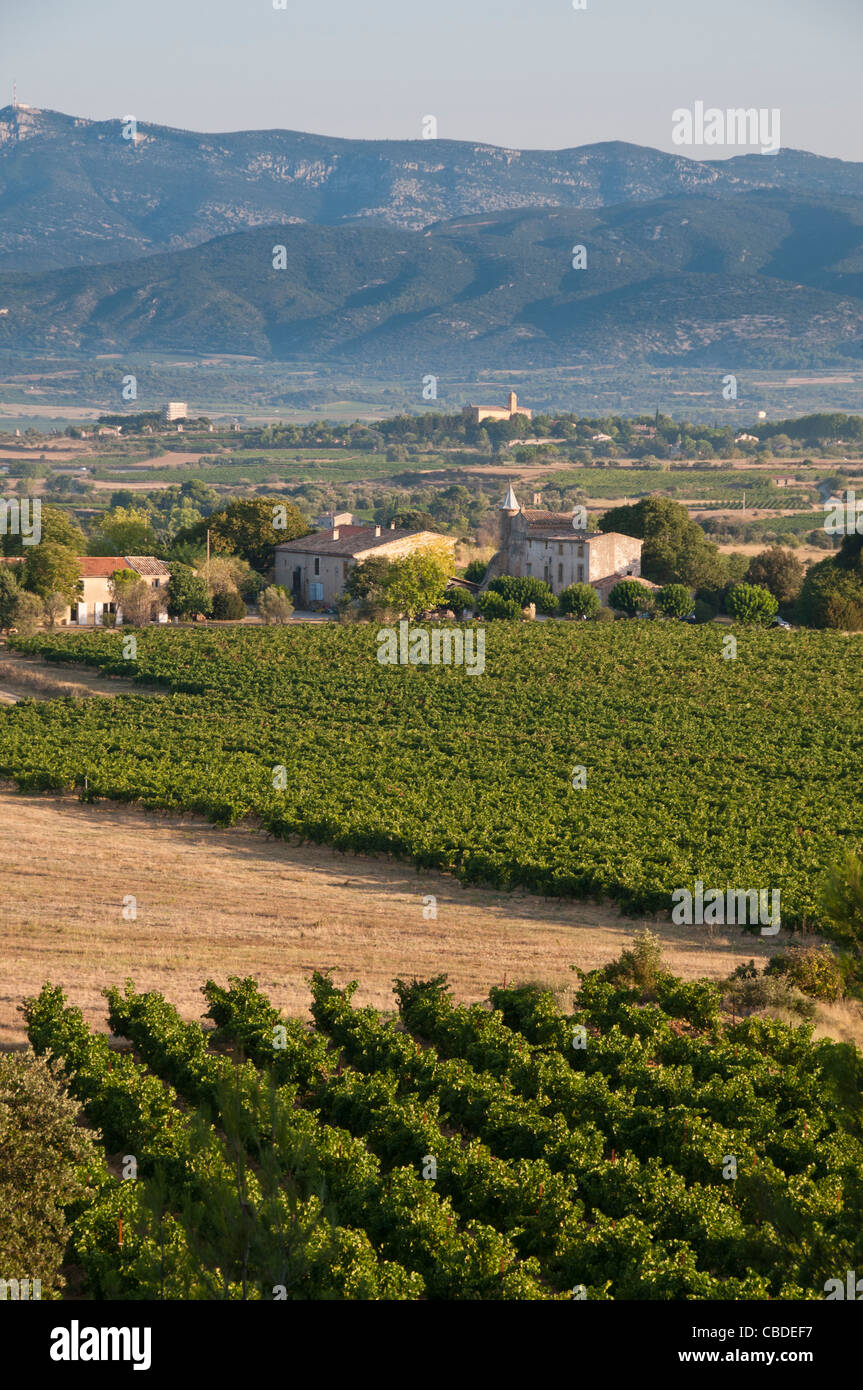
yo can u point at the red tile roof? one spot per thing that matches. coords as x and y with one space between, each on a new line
101 566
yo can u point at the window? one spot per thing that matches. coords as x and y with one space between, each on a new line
155 583
580 549
560 574
529 569
316 593
317 564
581 572
560 548
344 569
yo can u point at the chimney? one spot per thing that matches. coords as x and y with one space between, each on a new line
377 530
335 533
392 526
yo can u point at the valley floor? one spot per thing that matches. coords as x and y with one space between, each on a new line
212 901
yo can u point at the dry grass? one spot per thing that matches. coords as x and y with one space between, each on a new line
23 678
215 902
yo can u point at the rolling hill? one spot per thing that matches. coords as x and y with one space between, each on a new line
759 278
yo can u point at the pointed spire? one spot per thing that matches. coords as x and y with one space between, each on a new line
510 503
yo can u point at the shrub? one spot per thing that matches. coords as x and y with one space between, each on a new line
629 597
675 601
493 605
580 600
524 591
475 572
459 600
604 615
750 603
812 969
704 612
275 604
228 605
638 965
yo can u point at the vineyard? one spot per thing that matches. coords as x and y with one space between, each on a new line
733 772
630 1150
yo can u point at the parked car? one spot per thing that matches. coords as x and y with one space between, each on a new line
780 622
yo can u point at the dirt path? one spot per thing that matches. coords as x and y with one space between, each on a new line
216 902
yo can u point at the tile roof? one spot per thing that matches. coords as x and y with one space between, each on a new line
148 565
352 540
100 566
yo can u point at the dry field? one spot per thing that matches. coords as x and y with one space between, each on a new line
212 901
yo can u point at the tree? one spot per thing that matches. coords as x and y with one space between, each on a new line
492 605
675 601
475 572
832 593
250 527
53 608
53 569
275 604
134 597
580 600
525 590
28 613
188 594
629 597
124 531
57 528
408 585
750 603
842 898
228 606
10 591
675 550
45 1157
778 570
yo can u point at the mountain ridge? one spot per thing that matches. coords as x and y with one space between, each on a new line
74 192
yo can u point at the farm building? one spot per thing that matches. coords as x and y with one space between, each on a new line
314 568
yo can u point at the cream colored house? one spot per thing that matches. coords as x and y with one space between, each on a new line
98 594
477 413
314 568
546 546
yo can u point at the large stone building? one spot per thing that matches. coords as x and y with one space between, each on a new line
315 567
477 413
546 546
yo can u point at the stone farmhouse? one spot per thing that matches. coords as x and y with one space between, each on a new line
314 568
98 594
477 413
545 545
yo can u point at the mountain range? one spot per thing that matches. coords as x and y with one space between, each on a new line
422 255
75 191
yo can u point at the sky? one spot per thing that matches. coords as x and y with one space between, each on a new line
539 74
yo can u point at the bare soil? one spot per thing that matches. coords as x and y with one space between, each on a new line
214 902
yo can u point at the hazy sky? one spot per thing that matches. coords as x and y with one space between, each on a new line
533 74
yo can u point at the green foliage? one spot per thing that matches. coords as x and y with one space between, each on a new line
814 970
633 701
675 601
630 597
750 603
45 1159
227 605
524 591
842 898
493 605
832 596
250 527
407 586
124 531
10 591
52 569
188 594
778 570
675 550
475 571
580 600
275 604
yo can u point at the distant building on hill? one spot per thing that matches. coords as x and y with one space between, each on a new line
546 545
175 410
315 567
477 413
